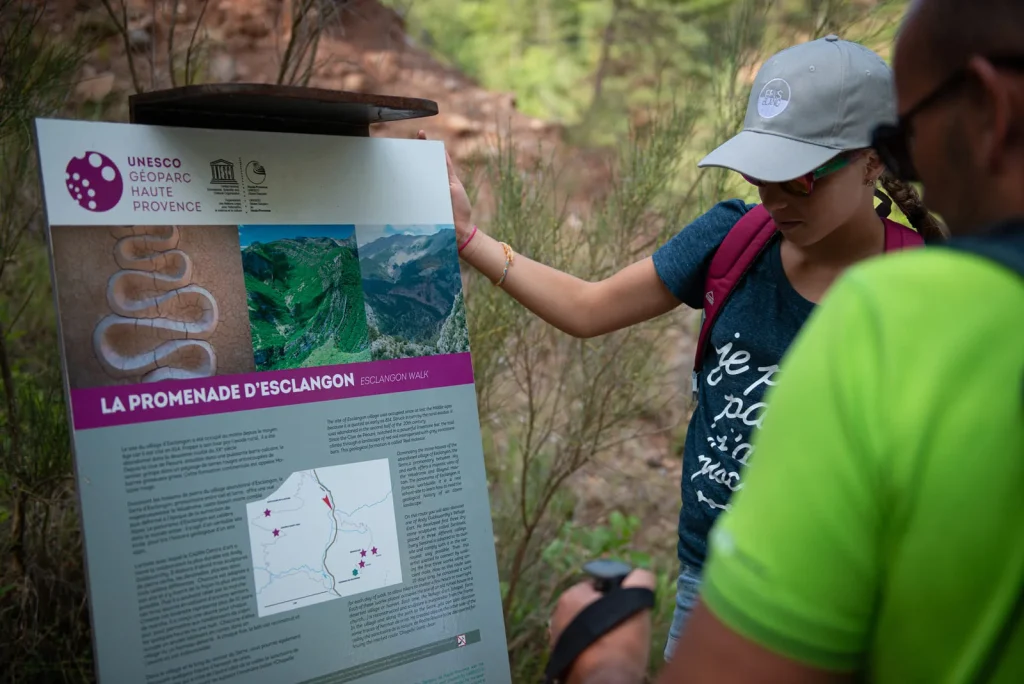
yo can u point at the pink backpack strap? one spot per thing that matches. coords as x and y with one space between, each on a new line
739 250
742 245
898 236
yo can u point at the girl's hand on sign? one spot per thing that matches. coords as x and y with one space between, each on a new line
461 208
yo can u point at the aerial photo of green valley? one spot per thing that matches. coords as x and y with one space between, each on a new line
305 296
337 294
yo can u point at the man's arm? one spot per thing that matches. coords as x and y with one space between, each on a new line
711 652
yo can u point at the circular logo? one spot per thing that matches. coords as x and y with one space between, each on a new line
774 98
255 172
94 181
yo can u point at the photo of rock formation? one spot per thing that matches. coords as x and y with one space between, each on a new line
305 298
142 304
413 286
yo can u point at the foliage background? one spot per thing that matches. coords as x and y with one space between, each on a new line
651 85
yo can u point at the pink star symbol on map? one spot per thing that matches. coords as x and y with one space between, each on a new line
374 550
362 553
362 564
266 513
277 532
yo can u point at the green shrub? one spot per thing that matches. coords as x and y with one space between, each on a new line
551 403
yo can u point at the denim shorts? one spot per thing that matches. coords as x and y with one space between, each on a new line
687 587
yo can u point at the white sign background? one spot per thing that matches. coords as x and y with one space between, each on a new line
179 635
307 180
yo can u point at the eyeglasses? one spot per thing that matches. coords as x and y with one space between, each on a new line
892 142
804 185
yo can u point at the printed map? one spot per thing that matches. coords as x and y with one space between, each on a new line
324 534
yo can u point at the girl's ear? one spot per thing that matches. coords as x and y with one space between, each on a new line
874 167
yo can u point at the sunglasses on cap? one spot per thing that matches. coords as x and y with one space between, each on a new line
892 142
804 185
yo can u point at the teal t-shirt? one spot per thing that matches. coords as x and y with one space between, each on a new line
752 332
881 526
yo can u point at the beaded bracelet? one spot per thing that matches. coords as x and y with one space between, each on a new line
471 236
509 258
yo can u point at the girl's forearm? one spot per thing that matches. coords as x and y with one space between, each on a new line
574 306
560 299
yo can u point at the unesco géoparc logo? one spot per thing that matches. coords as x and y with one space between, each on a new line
94 181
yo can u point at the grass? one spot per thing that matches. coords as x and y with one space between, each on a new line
305 303
329 355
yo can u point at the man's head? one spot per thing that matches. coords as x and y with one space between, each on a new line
967 143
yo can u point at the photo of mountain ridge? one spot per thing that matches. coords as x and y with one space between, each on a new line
305 296
413 291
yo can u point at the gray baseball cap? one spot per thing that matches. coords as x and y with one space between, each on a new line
808 103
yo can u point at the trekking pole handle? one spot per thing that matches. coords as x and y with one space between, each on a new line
616 605
607 574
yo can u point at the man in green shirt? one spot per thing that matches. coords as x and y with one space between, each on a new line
880 532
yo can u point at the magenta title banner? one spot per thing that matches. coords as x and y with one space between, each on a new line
140 403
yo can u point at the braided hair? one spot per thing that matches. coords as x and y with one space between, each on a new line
910 203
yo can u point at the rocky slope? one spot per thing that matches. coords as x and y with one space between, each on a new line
410 282
413 291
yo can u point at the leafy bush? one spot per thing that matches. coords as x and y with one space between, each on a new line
551 403
44 627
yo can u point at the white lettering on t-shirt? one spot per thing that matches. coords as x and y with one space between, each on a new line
765 379
716 473
733 360
710 502
733 364
734 408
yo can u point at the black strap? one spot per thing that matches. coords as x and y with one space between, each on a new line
885 208
593 622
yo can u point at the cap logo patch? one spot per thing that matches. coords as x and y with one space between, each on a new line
774 98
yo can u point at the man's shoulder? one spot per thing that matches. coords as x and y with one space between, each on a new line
931 319
934 283
922 263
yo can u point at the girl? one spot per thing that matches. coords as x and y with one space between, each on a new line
806 146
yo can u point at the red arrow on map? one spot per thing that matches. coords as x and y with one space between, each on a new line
327 500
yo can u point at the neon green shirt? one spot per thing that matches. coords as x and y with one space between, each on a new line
881 522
